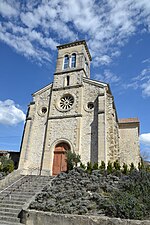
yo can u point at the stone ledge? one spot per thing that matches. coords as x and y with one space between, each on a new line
33 217
64 116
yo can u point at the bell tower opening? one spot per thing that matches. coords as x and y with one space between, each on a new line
59 160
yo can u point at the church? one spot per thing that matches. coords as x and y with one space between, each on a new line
78 114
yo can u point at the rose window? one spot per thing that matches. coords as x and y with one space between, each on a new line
66 102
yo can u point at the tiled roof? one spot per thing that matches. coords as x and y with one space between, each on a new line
129 120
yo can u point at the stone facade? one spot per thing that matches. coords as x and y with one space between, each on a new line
78 111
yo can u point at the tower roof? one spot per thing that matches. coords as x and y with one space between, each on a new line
129 120
71 44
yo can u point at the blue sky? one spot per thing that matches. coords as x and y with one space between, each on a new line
117 34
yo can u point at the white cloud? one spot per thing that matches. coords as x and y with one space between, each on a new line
10 113
141 81
146 89
8 8
146 61
145 146
145 138
107 77
106 25
103 60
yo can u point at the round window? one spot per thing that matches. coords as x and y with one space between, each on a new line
44 110
66 102
90 105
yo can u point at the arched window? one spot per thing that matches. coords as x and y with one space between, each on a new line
73 60
66 61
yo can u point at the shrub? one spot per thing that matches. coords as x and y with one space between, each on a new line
102 167
72 160
132 200
89 167
132 167
95 166
117 165
125 205
125 169
6 164
82 166
109 167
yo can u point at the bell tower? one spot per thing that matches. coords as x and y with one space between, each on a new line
73 63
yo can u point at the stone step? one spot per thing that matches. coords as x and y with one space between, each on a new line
10 214
10 209
14 206
16 198
17 193
13 202
2 222
13 198
32 185
23 189
9 218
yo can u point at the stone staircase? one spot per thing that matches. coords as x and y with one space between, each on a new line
16 195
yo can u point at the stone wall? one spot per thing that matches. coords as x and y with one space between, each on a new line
129 143
32 145
112 131
89 127
10 178
32 217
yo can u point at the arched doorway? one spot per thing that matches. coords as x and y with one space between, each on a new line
59 161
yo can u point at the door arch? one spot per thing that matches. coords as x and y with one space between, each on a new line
59 160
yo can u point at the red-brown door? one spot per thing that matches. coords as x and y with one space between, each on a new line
59 161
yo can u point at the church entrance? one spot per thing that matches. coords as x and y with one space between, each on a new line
59 161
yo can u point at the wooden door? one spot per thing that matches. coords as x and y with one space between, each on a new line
59 161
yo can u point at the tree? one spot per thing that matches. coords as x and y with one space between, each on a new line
109 167
6 164
72 159
117 165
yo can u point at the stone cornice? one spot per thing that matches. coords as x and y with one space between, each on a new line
64 116
68 87
69 71
75 43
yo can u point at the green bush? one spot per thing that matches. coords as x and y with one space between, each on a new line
117 165
125 205
109 168
72 160
82 166
132 199
6 164
89 167
125 169
132 167
102 167
95 166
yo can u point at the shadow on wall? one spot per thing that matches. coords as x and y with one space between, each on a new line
94 135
